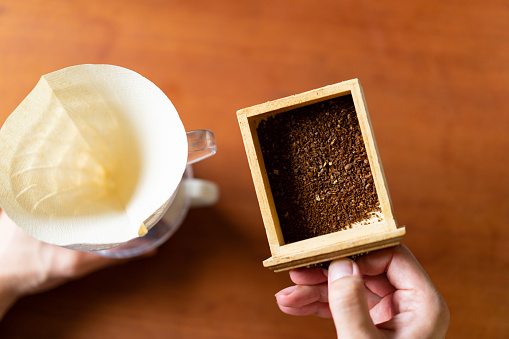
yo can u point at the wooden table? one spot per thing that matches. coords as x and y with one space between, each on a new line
436 79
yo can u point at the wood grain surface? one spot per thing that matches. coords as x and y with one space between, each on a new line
436 79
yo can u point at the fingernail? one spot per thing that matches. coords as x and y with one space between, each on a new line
340 268
286 291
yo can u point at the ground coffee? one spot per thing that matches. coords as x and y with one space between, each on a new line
318 170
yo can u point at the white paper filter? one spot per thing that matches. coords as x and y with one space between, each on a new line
89 155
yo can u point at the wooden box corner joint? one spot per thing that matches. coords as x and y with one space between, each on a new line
377 230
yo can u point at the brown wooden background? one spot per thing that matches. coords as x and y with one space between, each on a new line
436 80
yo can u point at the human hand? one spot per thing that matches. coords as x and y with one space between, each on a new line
384 294
30 266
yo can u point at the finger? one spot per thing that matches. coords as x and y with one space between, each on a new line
301 295
380 307
308 276
348 301
86 262
383 310
379 284
318 309
372 298
76 264
402 269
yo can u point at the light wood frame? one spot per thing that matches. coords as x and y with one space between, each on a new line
330 246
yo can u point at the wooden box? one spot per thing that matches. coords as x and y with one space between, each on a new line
377 231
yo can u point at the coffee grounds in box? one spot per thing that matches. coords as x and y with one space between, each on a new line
318 170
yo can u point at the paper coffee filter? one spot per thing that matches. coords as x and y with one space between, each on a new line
89 155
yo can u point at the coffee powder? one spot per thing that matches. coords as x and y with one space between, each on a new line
318 170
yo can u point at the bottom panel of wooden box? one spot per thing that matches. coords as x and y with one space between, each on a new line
340 250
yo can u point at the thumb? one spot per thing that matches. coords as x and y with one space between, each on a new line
347 301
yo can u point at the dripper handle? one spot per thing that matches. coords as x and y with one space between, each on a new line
201 193
201 145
